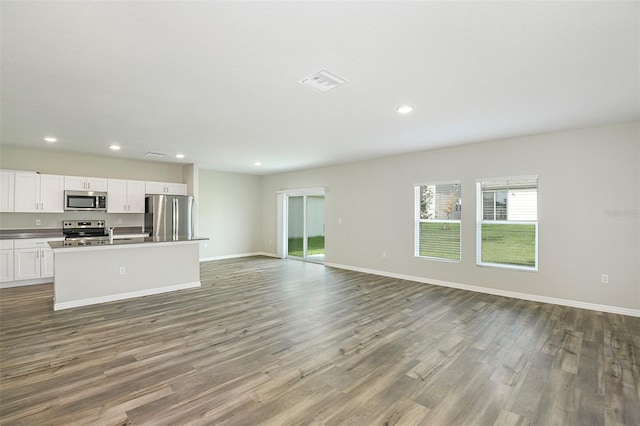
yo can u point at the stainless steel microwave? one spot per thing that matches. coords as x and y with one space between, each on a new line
85 201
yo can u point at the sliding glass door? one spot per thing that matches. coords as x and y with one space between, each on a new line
315 227
305 227
295 226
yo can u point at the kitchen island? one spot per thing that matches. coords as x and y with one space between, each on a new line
106 271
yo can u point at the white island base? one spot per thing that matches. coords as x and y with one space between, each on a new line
99 274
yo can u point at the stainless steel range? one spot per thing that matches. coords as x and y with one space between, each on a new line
84 232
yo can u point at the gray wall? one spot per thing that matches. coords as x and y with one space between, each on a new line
230 211
73 164
589 192
227 205
588 200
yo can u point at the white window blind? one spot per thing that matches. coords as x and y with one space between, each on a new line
438 209
507 222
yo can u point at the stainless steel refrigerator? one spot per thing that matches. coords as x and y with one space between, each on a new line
168 216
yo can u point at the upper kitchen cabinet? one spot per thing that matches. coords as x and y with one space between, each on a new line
125 196
38 193
7 182
166 188
80 183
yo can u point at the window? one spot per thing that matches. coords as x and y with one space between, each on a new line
507 222
494 205
438 208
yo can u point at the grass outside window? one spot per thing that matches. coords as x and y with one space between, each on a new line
509 244
440 240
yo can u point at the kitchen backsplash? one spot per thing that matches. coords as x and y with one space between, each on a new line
54 220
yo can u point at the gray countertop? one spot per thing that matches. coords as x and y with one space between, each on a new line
18 234
123 242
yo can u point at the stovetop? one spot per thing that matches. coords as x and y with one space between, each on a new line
83 229
85 242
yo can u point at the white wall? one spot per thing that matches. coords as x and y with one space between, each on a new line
588 200
230 210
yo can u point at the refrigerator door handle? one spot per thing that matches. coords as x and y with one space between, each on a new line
176 217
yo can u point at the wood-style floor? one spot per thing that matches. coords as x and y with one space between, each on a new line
284 342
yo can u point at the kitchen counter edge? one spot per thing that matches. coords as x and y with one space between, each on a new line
123 242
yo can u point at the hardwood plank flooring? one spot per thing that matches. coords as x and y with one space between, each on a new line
281 342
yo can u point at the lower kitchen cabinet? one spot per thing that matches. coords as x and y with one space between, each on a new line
6 260
33 258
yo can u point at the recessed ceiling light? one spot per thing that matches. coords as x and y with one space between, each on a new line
404 109
114 147
179 155
50 139
257 163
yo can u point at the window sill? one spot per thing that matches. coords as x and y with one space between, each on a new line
438 259
508 267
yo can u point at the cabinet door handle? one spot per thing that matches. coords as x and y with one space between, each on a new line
88 185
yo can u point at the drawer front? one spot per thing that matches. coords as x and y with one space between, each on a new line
6 244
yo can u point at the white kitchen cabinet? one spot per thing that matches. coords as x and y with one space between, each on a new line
27 263
7 182
80 183
33 258
6 260
36 192
125 196
27 194
166 188
52 193
46 262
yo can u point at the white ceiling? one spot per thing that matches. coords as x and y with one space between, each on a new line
218 81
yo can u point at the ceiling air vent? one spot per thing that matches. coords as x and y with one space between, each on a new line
155 154
323 80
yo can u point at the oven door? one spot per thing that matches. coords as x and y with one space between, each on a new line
85 200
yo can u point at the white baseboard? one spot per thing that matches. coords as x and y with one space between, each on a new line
22 283
264 253
122 296
234 256
229 256
496 292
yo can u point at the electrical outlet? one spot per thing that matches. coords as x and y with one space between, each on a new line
38 222
604 278
340 221
122 270
384 254
119 221
206 244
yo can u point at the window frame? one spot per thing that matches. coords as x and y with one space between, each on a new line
418 220
480 221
